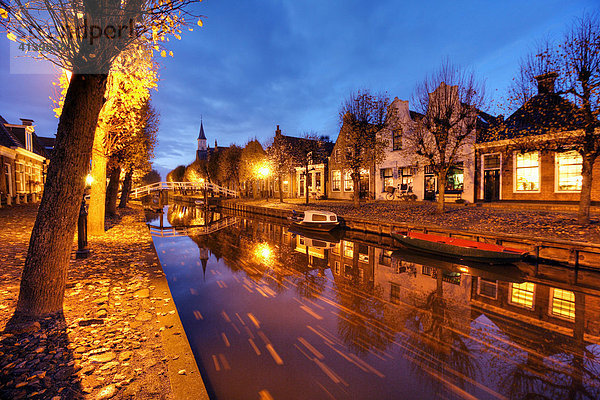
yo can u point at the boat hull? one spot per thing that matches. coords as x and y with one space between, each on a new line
316 226
459 251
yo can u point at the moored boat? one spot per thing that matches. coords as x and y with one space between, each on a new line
315 220
460 248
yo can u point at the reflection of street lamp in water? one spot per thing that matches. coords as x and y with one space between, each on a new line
263 253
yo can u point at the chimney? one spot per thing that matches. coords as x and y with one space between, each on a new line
278 131
215 143
546 82
26 122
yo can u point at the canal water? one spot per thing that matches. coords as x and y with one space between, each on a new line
274 314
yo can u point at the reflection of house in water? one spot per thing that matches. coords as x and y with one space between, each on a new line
352 262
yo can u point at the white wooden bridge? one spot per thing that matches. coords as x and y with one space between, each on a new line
175 231
182 186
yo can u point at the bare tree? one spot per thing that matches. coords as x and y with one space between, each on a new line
449 101
280 155
362 116
541 60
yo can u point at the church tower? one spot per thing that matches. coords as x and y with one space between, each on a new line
202 152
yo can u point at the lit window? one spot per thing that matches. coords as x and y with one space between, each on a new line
387 177
348 183
568 171
406 179
348 249
455 178
563 303
521 294
336 180
527 172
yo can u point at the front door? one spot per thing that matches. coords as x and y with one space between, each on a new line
491 185
364 186
430 186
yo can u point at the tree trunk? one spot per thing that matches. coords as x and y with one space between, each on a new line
98 192
585 198
45 272
356 183
126 188
112 192
280 185
441 182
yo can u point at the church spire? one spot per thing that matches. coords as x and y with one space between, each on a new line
201 134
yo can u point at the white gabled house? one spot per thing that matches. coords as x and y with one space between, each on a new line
410 173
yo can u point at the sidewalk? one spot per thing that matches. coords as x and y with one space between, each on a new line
542 224
121 337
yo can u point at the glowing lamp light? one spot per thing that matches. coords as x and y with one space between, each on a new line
464 270
89 180
285 182
264 171
263 252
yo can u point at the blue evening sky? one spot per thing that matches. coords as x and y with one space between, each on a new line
258 64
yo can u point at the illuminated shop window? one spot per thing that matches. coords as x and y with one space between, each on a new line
455 178
521 294
563 303
568 171
348 249
387 176
527 172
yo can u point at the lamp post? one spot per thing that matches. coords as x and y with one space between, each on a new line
263 173
82 249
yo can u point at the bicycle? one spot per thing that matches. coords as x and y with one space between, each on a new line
394 193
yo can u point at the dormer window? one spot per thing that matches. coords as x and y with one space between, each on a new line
28 140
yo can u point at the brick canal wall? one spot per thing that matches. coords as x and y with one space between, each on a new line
576 254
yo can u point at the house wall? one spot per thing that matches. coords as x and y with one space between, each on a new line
548 177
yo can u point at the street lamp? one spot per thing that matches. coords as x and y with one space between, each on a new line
82 250
263 172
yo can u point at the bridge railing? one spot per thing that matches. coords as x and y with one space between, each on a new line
144 190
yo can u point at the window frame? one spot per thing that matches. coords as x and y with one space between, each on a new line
483 169
347 177
551 306
333 181
515 177
557 170
510 296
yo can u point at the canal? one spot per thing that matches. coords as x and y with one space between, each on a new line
273 314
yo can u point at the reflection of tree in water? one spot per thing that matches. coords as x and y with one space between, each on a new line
441 350
361 315
569 370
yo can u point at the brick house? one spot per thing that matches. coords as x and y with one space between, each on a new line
293 184
515 158
24 161
341 185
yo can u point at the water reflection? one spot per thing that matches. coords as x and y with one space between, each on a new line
296 315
